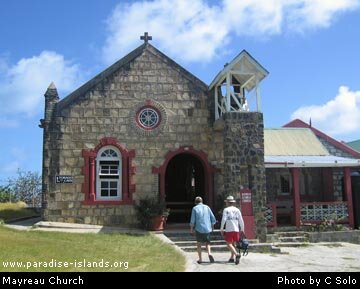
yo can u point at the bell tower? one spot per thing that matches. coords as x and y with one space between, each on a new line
237 106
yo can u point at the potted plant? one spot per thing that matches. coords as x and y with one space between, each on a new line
152 213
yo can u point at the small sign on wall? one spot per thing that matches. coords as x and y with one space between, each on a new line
246 197
63 179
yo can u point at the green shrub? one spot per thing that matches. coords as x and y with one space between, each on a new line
148 208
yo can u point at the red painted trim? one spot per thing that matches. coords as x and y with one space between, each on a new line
203 157
327 184
299 123
86 172
295 173
274 215
92 179
148 105
124 202
89 172
348 193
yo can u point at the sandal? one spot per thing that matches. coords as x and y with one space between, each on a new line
211 258
199 262
231 260
237 259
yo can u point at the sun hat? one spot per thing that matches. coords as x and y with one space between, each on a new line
230 199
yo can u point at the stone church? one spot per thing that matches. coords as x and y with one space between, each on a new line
145 126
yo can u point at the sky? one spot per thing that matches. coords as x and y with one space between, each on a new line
310 48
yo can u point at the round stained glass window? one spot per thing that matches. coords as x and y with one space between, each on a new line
148 118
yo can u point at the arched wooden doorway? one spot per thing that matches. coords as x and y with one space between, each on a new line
185 174
184 180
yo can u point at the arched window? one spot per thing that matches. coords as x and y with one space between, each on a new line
108 174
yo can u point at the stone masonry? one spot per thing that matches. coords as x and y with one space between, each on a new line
244 161
104 111
106 107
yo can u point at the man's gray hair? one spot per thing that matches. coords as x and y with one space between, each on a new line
198 200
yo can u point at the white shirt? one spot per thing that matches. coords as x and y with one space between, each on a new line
233 219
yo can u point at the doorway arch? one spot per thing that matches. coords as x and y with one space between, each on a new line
194 176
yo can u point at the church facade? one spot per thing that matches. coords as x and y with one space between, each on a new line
146 127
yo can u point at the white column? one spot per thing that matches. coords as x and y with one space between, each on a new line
216 103
228 102
258 97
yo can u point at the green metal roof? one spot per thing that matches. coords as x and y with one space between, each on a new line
354 144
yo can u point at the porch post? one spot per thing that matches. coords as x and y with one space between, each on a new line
295 172
348 194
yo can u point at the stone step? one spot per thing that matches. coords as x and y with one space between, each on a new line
299 239
191 238
255 248
271 238
193 243
290 234
282 229
213 242
292 244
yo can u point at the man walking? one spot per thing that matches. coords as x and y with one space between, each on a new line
203 220
234 224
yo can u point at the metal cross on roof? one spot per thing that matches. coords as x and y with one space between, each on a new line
146 37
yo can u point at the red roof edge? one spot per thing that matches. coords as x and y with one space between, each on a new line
300 124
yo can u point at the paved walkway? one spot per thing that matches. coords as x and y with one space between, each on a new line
316 257
312 258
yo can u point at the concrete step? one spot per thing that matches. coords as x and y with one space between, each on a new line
292 244
193 243
213 242
283 229
290 234
298 239
255 248
191 237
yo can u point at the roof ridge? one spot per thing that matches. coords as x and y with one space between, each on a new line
70 98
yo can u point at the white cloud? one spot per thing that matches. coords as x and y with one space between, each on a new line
23 85
339 116
197 30
319 13
186 28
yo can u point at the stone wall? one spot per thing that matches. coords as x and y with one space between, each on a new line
273 183
244 161
351 236
108 110
334 150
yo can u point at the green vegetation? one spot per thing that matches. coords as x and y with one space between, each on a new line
149 208
25 187
10 211
143 253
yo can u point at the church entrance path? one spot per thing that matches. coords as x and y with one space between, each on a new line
300 259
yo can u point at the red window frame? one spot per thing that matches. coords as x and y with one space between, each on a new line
89 172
